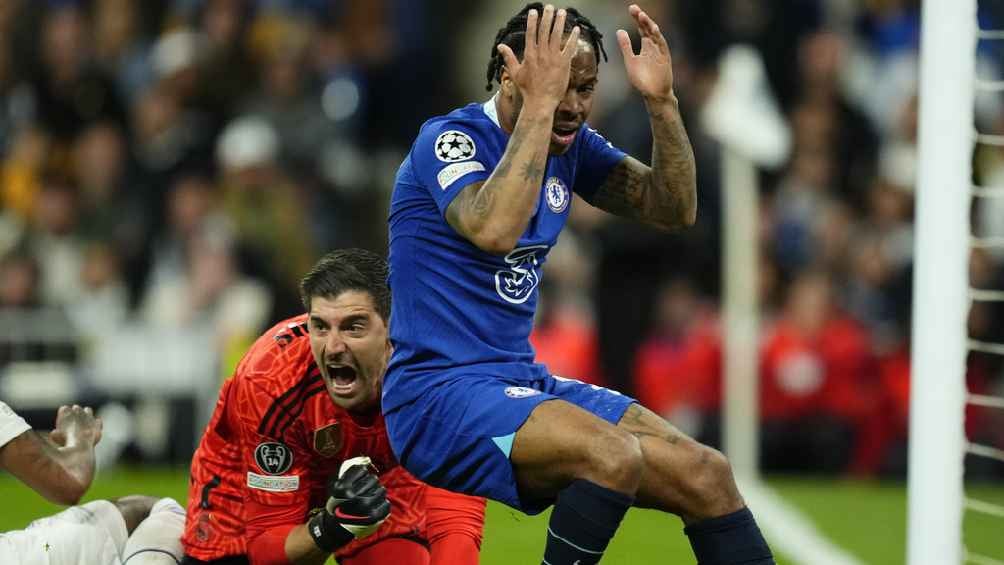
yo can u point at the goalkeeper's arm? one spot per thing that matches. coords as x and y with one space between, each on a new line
357 505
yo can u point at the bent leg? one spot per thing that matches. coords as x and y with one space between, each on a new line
390 550
594 467
134 509
454 526
560 442
680 475
695 482
157 539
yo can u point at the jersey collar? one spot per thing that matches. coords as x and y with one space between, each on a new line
491 110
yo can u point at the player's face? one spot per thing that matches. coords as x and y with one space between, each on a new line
351 347
574 108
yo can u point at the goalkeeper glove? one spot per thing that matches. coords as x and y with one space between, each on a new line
357 505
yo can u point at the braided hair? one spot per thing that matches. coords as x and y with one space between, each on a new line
513 34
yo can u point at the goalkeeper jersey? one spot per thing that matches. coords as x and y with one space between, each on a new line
273 440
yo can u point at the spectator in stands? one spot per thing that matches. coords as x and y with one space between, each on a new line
22 167
212 296
849 138
70 90
816 385
19 281
54 239
118 46
114 208
678 368
268 210
103 304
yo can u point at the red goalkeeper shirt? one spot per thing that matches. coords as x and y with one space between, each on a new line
274 439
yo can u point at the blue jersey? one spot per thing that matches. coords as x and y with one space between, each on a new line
457 309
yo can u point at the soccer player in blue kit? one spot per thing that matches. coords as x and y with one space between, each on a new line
477 204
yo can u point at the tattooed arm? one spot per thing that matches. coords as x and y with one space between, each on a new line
663 195
494 214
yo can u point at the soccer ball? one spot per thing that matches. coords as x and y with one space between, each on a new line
453 146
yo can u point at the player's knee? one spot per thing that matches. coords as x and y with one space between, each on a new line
615 460
134 509
712 482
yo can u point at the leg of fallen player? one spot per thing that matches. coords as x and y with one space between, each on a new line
695 482
156 539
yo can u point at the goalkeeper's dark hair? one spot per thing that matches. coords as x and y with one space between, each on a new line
513 34
349 269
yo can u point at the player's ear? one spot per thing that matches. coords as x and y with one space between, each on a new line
506 83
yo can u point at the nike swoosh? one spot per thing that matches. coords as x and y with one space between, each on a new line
340 514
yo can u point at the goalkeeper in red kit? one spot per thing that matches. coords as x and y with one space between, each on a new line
295 464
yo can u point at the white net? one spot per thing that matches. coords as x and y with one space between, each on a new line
992 243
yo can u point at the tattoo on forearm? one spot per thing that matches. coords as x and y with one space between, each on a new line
662 195
478 201
534 170
672 165
623 191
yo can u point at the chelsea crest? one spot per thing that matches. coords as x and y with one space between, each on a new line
556 194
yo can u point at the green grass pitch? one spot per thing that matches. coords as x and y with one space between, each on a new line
868 519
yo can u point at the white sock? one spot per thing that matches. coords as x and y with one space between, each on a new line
157 540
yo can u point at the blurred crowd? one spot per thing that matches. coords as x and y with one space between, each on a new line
168 171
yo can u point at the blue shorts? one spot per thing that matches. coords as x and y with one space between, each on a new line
458 434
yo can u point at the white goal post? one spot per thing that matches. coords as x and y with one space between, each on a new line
940 284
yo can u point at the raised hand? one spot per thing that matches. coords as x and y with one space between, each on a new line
651 70
542 75
76 425
357 501
356 507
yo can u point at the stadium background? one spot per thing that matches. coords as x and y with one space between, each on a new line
169 169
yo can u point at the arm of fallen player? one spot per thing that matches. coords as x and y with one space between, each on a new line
59 466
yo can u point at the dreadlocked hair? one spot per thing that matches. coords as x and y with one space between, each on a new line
514 35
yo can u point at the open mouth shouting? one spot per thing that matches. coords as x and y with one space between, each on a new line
344 379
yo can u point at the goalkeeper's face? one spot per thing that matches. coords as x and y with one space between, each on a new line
351 347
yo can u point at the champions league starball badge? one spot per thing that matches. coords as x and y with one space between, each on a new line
452 146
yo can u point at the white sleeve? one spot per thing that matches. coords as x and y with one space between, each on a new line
11 425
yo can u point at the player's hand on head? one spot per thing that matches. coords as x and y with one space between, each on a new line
542 75
75 425
650 71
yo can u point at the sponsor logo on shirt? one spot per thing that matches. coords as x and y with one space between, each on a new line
453 172
520 391
285 483
517 283
452 146
273 458
556 194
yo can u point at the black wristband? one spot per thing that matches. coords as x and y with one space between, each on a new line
327 534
